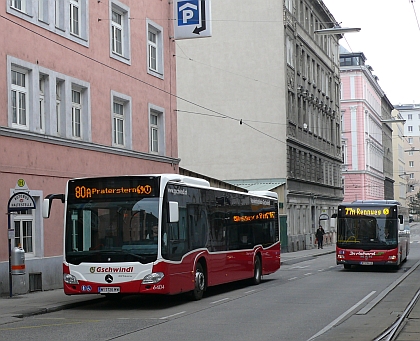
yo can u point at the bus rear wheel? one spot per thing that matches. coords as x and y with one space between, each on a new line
200 283
257 271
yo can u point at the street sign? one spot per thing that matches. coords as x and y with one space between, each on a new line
20 201
192 19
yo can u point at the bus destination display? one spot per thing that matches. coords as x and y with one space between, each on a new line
87 189
366 211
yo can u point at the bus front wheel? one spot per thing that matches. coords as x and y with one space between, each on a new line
257 271
200 283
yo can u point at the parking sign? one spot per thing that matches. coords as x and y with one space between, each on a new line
192 19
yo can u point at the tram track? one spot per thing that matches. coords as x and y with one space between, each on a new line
392 332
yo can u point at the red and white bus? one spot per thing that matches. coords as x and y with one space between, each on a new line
164 234
374 232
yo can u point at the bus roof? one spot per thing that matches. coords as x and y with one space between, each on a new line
377 202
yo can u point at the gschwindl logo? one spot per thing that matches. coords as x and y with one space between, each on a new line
176 191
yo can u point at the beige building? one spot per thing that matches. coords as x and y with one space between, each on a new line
410 150
258 106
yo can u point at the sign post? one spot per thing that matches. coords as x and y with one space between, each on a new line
18 202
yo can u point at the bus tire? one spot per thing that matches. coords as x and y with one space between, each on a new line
200 283
257 271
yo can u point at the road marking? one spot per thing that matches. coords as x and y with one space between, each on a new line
50 325
249 291
223 299
341 317
169 316
307 274
291 279
300 267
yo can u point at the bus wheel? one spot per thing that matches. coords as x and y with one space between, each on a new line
200 283
347 266
257 271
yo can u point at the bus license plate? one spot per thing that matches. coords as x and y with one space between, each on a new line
366 263
109 290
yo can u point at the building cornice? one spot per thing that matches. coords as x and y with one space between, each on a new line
55 140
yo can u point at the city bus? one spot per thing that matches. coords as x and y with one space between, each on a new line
164 234
374 232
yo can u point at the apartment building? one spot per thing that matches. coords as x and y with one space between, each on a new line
411 173
259 105
87 90
367 132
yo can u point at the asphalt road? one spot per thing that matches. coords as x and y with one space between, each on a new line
314 299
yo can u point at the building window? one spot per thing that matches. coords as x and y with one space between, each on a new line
156 130
410 128
118 123
43 10
75 17
411 163
58 106
154 49
119 31
116 27
411 175
35 105
76 111
409 117
19 5
19 99
41 103
289 51
23 222
121 120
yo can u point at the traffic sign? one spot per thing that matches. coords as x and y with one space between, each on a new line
192 19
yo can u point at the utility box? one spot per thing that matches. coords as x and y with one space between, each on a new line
17 260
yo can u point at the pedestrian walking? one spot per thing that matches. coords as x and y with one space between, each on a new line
320 236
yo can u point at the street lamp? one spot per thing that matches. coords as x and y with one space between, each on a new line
337 30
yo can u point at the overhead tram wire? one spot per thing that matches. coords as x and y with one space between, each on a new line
415 14
135 78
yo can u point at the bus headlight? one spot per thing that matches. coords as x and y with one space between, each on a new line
70 279
340 257
394 258
153 278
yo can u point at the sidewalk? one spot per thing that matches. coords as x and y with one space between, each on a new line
42 302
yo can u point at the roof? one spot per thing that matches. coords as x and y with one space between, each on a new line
258 184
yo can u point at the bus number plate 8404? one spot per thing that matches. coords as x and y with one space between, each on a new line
109 290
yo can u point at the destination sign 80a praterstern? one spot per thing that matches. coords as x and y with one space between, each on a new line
112 188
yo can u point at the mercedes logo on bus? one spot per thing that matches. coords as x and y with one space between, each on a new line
109 278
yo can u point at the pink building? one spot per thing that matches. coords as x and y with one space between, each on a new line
87 90
362 130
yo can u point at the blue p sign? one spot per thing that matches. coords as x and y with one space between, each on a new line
188 13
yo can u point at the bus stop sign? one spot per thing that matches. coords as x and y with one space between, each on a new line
20 201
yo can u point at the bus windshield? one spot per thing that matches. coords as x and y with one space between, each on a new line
367 231
112 231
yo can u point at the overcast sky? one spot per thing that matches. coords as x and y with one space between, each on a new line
389 39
